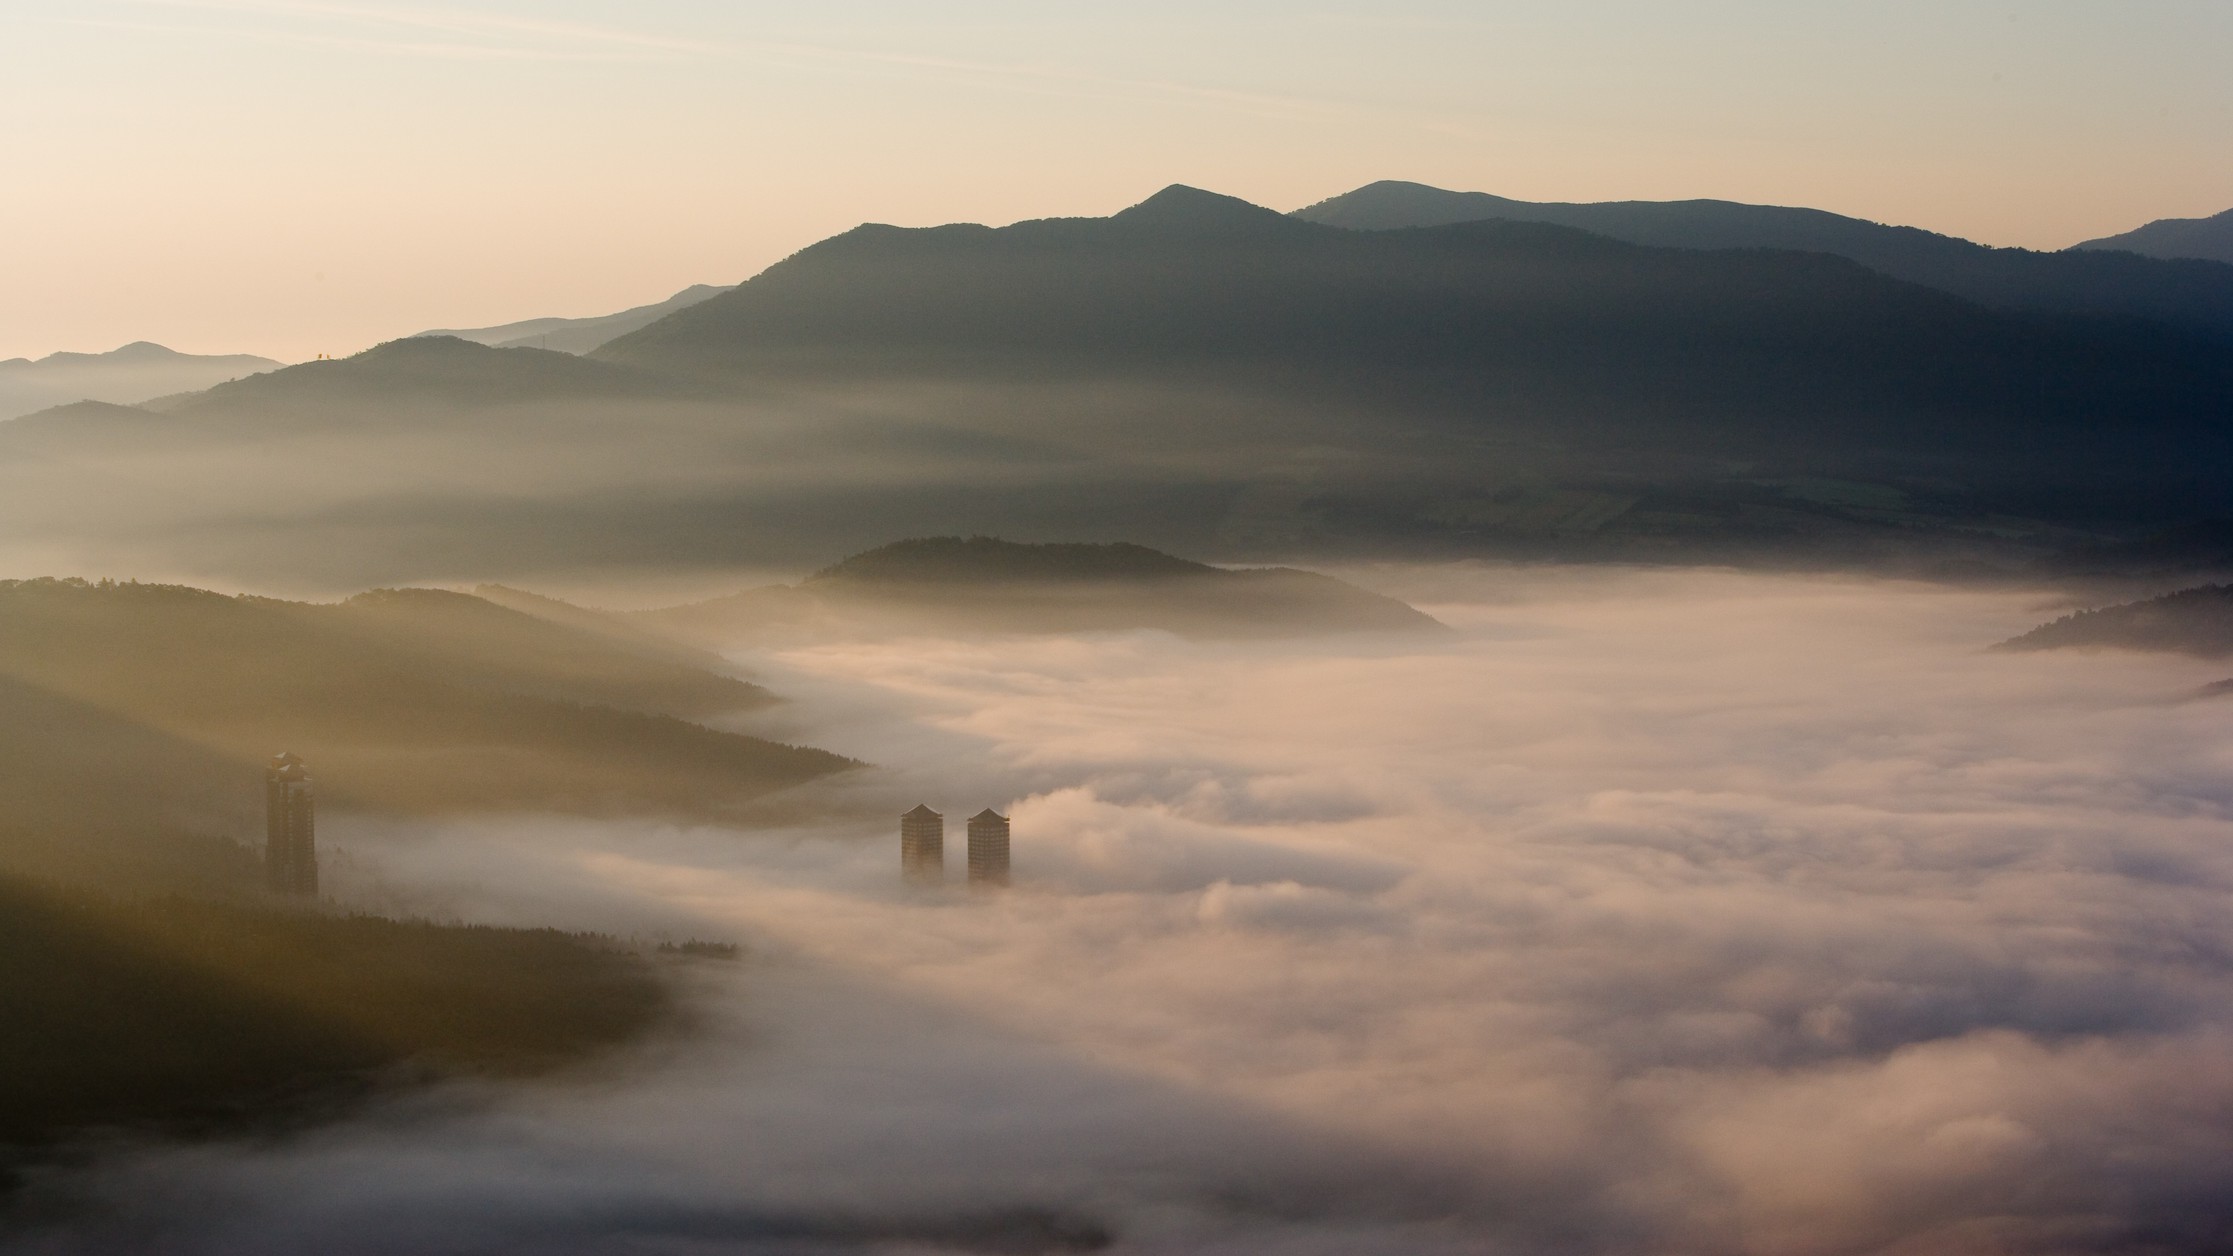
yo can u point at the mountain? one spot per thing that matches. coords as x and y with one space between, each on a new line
1197 374
135 373
2210 239
1565 349
429 369
2193 295
986 584
2195 621
135 714
580 335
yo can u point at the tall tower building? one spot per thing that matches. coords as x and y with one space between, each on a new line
290 828
922 846
988 849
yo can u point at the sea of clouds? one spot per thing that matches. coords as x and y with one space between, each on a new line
1645 911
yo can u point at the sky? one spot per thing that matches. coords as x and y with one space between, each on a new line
293 177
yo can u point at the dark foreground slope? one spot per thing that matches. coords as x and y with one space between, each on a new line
138 718
175 1016
983 584
2192 621
2195 295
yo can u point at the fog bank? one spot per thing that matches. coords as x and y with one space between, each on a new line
1668 911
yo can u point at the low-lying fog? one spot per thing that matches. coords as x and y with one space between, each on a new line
1649 911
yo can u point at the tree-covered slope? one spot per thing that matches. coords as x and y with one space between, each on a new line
2195 621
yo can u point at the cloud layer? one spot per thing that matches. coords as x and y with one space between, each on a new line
1692 912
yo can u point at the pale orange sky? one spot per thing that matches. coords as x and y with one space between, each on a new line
291 177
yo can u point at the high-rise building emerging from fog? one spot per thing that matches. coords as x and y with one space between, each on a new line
922 846
290 827
988 849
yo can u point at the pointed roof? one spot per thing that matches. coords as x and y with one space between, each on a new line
922 811
988 814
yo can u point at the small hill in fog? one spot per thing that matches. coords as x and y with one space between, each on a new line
2206 238
135 720
135 373
580 335
2188 294
986 584
984 560
2195 621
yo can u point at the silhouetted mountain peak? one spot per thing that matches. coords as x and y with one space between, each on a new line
1181 206
437 348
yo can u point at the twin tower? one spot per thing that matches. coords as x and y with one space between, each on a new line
922 848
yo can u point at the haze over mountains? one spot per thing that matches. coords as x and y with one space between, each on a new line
580 335
137 372
1206 375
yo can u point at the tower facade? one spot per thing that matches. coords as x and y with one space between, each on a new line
988 849
290 828
922 846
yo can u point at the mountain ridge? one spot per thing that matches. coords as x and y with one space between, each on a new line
2206 239
578 335
128 375
2194 295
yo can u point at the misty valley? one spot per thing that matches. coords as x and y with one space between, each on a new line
1429 723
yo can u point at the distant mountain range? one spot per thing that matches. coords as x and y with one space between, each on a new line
580 335
2209 238
2196 295
137 372
1207 376
1570 349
